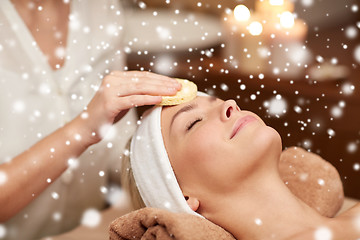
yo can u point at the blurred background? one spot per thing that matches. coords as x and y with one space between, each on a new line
294 63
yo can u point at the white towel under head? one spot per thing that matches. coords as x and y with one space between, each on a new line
154 176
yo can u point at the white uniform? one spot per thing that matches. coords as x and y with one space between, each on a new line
35 100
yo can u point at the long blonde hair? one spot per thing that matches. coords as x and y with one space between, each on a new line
128 181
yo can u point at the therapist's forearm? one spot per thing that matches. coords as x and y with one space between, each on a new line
31 172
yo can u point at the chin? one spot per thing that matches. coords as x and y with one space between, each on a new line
261 151
269 141
276 138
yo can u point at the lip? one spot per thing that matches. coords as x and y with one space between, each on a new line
241 123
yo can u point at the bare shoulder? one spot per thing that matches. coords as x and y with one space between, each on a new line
340 229
346 225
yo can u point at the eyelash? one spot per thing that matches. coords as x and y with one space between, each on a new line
193 123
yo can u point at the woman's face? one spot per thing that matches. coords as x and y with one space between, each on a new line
213 145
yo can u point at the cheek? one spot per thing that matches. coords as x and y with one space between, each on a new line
211 163
200 168
204 152
201 144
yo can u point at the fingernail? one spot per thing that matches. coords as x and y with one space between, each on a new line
177 84
174 82
171 89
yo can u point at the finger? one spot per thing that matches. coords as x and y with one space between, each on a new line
154 81
137 75
128 86
117 82
140 74
137 101
144 89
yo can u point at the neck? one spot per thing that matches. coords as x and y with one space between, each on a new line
264 208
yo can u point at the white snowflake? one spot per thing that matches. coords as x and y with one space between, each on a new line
319 59
351 147
351 32
3 178
336 112
307 3
86 29
107 132
44 89
74 22
297 109
142 5
60 52
163 33
164 64
354 8
357 53
77 137
73 163
224 87
116 195
103 189
356 222
303 177
19 106
258 221
331 132
307 143
91 218
276 106
2 231
298 54
111 30
323 233
347 88
321 182
57 216
356 166
55 195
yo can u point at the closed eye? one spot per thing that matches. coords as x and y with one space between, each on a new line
193 123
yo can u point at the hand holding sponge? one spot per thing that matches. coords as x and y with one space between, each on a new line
187 93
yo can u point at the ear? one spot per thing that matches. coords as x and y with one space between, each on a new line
193 203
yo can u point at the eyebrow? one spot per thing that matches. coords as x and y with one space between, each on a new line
188 108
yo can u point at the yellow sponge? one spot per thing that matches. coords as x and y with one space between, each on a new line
187 93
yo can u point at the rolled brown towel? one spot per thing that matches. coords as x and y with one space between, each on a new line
151 223
312 179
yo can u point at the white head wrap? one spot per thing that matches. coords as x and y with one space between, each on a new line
154 176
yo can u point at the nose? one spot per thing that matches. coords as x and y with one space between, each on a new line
228 109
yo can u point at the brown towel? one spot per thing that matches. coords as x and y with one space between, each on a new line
152 223
313 180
